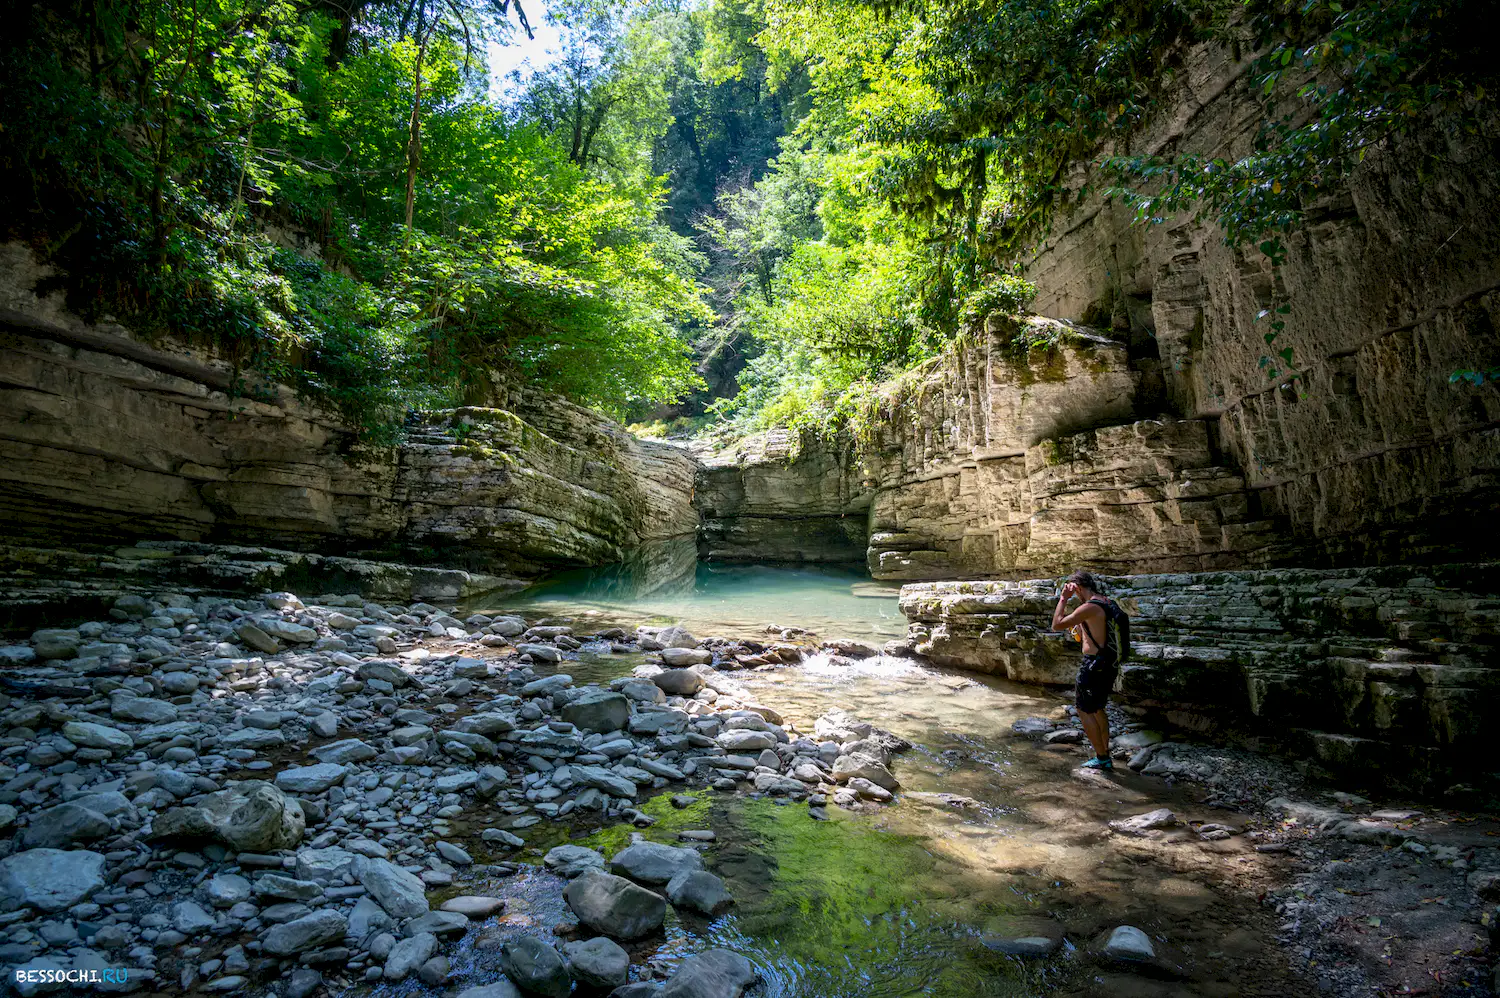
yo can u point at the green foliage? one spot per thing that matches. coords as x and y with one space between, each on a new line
830 291
172 154
1334 81
1005 293
330 195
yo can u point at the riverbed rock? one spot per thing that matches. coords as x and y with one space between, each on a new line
869 791
303 982
227 889
319 928
714 973
570 860
678 682
508 626
443 924
654 863
142 710
676 636
252 738
50 879
327 865
409 954
681 658
386 672
275 885
865 766
286 630
495 989
473 906
63 825
603 779
487 723
699 891
56 643
614 906
1141 825
1023 945
368 918
598 710
189 919
535 967
343 752
398 892
311 779
840 726
99 736
737 742
597 962
1128 944
1485 883
255 638
253 816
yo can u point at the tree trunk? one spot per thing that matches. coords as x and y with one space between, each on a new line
574 153
414 139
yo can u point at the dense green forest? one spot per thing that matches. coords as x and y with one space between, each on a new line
743 210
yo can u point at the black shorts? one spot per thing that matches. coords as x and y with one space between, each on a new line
1096 680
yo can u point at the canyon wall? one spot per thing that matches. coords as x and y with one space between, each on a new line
107 440
994 461
782 496
1361 446
1151 439
1383 670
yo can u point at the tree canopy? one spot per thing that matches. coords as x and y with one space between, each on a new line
791 198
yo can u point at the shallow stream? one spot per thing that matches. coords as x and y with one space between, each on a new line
665 585
903 900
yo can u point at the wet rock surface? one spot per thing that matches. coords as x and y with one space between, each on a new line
1368 898
355 809
315 792
1361 669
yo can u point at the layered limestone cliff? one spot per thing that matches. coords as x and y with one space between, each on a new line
1151 438
1361 445
994 462
782 496
108 440
1392 668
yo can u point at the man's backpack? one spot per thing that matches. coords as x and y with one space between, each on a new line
1116 628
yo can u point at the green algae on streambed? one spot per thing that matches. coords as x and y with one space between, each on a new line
824 908
898 900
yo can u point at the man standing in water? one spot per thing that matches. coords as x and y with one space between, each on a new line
1101 659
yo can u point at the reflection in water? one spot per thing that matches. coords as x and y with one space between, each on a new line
666 584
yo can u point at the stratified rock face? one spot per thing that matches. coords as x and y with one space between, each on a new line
1369 453
1154 439
992 463
104 439
782 496
1363 667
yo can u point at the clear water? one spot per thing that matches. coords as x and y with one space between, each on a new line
899 900
666 584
